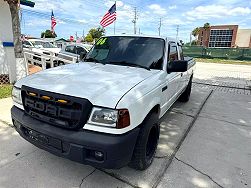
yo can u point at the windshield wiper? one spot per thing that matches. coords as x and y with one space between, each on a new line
90 59
125 63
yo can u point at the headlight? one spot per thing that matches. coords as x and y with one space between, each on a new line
109 117
103 117
16 95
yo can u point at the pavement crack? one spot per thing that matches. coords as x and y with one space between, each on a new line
183 113
116 176
86 177
199 171
225 121
6 123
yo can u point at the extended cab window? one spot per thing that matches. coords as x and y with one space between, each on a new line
142 52
173 52
181 52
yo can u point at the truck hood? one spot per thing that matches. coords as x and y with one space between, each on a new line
102 85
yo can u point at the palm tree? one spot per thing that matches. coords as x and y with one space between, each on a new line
18 49
21 66
206 27
196 32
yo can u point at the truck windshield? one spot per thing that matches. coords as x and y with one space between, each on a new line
43 44
144 52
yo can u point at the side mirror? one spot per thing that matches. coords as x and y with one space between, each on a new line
177 66
82 55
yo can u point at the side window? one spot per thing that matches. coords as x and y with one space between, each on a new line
26 44
69 49
79 50
173 52
181 52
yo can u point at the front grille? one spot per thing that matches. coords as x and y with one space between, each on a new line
46 106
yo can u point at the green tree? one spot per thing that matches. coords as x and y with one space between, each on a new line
97 32
196 31
48 34
88 38
206 26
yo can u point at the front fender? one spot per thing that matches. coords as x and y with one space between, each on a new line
139 105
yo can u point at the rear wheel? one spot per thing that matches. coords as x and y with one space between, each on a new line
146 144
184 97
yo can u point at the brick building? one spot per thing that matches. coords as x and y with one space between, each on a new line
224 36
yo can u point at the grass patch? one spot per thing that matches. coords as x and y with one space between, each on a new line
223 61
5 91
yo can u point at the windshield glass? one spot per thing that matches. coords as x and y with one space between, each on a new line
132 51
44 44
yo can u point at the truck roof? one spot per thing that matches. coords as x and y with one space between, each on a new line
137 35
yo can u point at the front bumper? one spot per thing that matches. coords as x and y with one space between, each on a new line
80 145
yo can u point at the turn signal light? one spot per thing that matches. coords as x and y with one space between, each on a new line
62 101
46 98
123 119
32 94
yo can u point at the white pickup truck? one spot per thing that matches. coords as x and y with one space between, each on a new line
105 110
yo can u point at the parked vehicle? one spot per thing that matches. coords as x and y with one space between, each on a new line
71 51
105 110
40 47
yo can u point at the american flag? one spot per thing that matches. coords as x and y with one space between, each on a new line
109 17
53 21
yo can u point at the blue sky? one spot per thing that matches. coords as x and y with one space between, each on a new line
81 15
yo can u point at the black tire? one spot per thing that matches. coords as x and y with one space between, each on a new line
55 63
60 63
146 144
186 94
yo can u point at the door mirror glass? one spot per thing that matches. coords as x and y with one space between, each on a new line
177 66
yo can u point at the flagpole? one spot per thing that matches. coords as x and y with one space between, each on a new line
114 28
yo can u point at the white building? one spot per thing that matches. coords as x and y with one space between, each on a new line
8 69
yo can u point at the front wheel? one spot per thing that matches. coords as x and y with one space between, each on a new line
146 144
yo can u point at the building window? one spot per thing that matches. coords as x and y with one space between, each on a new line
220 38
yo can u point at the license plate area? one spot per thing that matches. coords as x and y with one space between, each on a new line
42 139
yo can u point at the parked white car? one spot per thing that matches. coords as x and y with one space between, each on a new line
73 51
105 110
40 46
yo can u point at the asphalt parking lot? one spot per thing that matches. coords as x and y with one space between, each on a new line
203 143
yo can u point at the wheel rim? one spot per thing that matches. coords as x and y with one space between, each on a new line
151 144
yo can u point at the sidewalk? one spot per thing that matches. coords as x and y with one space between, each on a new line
216 152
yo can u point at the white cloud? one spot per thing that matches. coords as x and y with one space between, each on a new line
216 11
157 9
110 3
82 21
172 7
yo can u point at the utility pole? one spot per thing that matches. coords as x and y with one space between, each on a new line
139 31
159 26
191 39
76 35
177 32
83 33
134 21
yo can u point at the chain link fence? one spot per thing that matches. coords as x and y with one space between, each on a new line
221 53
